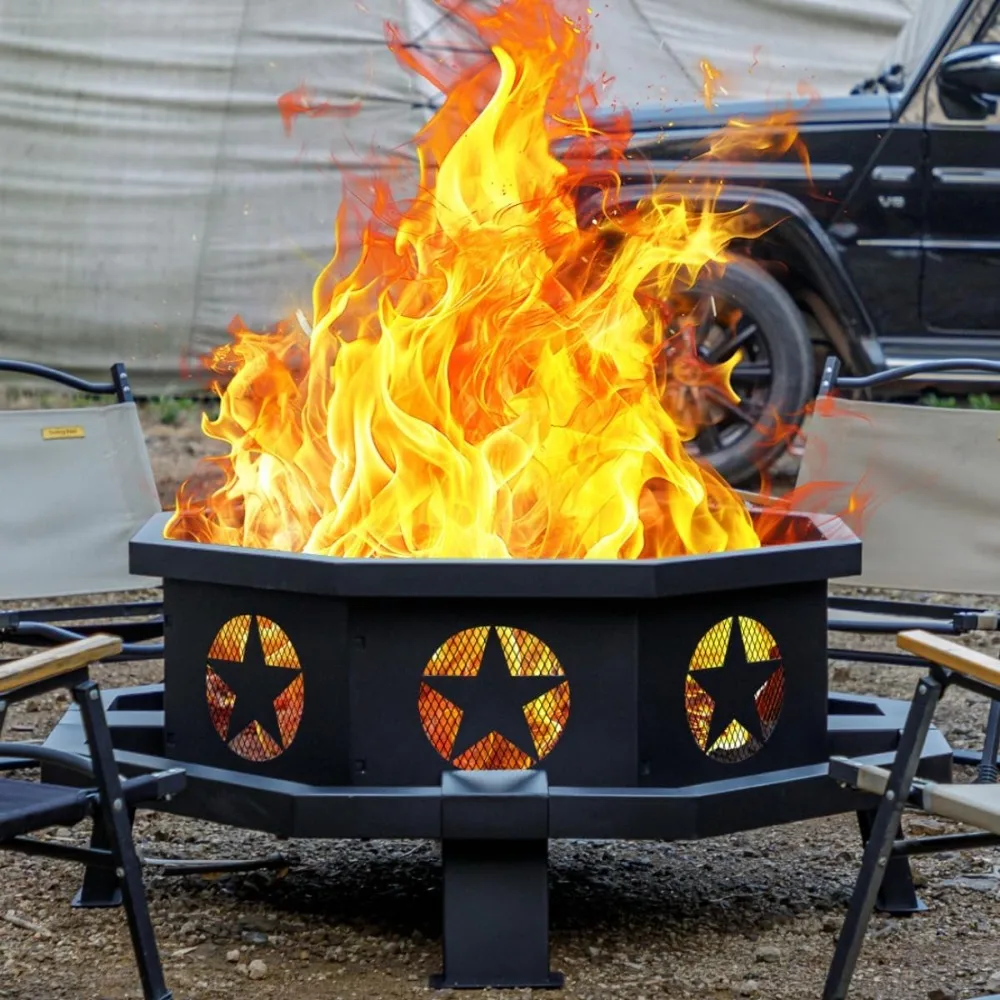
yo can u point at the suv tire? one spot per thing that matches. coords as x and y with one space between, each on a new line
783 338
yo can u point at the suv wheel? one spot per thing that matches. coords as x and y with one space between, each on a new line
742 308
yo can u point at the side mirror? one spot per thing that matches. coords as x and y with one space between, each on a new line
969 81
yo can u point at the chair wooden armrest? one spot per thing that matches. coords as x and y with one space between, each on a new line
945 653
57 661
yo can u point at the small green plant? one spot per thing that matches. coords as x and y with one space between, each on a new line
945 402
983 401
974 401
171 410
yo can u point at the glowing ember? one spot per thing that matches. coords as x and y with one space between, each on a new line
484 380
300 102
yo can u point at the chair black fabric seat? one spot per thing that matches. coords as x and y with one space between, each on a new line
26 806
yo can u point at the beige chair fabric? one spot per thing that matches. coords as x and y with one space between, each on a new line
75 485
926 483
974 805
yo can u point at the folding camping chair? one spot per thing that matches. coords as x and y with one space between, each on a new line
77 485
975 805
929 528
28 807
933 476
927 481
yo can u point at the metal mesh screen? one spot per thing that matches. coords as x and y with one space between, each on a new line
526 656
736 743
231 641
493 753
255 743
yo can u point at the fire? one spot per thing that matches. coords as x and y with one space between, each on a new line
301 102
485 380
712 83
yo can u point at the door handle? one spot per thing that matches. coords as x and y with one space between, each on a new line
967 176
894 176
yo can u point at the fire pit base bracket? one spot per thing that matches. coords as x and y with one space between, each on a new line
897 895
494 850
100 889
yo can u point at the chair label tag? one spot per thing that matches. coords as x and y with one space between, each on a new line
62 433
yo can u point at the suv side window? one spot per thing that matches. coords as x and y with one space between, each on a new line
982 25
991 30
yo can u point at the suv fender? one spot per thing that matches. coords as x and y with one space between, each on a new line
795 229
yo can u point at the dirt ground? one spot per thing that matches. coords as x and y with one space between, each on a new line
753 915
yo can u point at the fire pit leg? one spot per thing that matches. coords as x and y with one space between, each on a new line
100 889
494 850
897 895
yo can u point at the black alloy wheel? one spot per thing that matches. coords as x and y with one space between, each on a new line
739 309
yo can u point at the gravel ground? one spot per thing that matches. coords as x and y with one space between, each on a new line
752 915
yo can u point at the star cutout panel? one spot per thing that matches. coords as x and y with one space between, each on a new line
494 698
734 689
254 687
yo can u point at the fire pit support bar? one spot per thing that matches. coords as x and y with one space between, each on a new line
495 830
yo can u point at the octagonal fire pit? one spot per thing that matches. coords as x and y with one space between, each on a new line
494 374
379 673
498 704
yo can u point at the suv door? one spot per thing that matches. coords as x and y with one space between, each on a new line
961 281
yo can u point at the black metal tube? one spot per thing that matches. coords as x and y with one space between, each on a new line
184 866
866 656
882 839
130 650
987 774
946 842
62 852
117 825
119 377
47 755
890 627
920 368
93 612
63 378
909 609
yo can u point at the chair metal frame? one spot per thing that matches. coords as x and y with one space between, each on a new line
139 626
110 801
949 620
947 664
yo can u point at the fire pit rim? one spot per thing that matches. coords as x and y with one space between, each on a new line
836 552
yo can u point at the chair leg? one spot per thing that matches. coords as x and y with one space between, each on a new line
879 847
987 771
114 816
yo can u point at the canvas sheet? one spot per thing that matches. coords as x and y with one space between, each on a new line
924 481
77 486
149 191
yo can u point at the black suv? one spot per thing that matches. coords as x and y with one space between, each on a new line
885 251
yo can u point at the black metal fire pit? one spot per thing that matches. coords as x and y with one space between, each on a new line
498 704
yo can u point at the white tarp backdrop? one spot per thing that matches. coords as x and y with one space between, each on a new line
149 192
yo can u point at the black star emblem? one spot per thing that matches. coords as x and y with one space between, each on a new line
493 700
733 688
256 686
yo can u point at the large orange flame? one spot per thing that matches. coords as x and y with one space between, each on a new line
483 381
